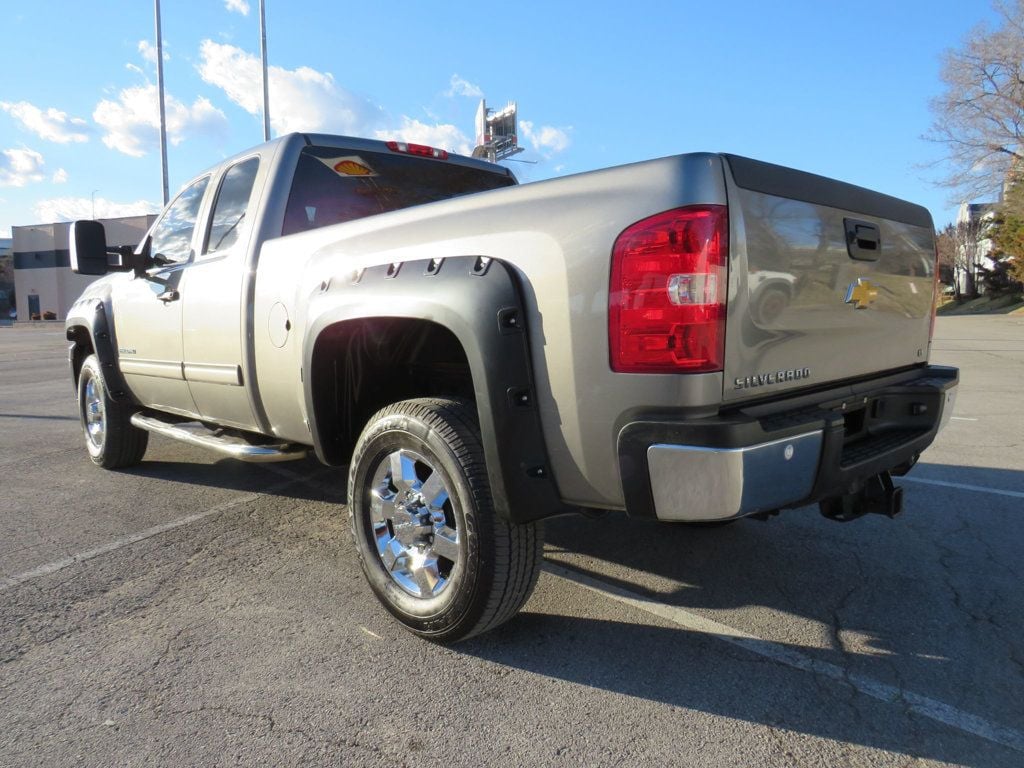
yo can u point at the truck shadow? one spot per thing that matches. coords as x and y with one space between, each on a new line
929 603
286 479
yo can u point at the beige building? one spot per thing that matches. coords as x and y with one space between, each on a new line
44 284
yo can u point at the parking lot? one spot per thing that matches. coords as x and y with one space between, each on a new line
196 610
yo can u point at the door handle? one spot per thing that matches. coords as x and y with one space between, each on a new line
168 296
863 240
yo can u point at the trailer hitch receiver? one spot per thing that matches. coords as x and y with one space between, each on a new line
876 496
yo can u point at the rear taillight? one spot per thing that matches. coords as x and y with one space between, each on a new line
666 307
420 150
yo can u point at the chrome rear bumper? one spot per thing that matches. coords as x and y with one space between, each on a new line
781 454
692 483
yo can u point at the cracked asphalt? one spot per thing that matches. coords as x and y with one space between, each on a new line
200 611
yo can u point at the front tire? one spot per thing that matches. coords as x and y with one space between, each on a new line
110 437
429 542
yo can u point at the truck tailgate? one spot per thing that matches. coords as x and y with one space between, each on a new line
827 281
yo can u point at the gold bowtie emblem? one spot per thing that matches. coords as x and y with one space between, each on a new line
861 293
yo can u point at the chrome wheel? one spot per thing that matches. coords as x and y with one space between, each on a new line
111 439
429 541
413 523
93 413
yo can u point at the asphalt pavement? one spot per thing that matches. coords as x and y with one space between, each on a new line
200 611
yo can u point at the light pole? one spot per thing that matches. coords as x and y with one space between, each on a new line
93 198
160 88
263 59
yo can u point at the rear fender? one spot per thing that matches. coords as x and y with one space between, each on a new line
478 300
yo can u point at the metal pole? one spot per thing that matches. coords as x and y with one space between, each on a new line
263 57
160 89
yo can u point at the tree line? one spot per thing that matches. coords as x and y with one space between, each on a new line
979 118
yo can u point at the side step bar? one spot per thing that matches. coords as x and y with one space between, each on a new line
233 445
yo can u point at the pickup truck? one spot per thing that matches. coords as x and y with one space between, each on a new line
696 338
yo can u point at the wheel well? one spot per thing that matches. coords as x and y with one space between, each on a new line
79 335
360 366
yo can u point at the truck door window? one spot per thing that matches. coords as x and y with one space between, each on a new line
172 235
332 185
232 203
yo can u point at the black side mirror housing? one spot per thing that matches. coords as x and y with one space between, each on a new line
90 254
88 244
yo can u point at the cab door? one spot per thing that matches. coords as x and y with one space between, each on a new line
148 310
215 309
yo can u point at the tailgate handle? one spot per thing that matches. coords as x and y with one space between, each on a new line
863 240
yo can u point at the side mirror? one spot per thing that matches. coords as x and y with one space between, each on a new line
88 242
90 254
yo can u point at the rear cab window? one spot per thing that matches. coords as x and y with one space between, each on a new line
232 203
334 185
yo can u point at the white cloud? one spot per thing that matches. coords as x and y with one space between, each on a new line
132 122
148 52
19 167
238 6
73 208
60 177
462 87
442 136
49 124
307 100
546 139
301 99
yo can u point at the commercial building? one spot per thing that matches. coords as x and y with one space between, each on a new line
44 285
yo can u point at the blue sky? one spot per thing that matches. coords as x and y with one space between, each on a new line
839 89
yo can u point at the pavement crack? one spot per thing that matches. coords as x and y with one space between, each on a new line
836 625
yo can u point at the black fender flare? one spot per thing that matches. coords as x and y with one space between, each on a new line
92 315
479 301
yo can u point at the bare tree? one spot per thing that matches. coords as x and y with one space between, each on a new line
980 117
949 255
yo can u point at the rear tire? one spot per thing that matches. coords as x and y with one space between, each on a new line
429 542
110 437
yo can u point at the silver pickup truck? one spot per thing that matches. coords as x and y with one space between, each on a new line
696 338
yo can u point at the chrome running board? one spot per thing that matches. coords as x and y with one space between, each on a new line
233 445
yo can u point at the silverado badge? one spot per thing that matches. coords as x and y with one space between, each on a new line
861 293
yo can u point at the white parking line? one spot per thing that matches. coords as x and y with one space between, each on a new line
965 487
46 569
921 705
962 418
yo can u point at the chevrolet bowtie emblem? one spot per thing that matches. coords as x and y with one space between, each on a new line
861 293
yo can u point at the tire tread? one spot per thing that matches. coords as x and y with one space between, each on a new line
517 548
124 443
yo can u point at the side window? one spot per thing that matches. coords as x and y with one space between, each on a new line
231 205
172 235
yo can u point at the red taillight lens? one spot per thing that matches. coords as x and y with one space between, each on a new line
420 150
666 306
